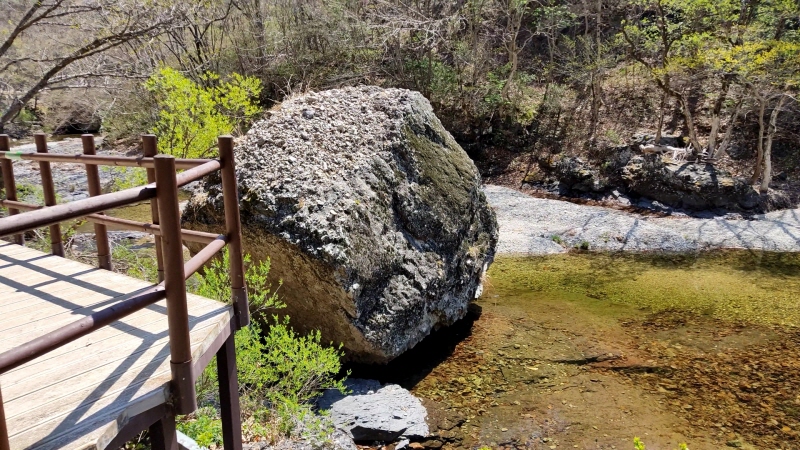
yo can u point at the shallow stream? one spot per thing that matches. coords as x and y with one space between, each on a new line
581 350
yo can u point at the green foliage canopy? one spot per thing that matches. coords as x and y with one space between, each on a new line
190 116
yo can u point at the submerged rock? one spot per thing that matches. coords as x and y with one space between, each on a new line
695 186
372 412
372 215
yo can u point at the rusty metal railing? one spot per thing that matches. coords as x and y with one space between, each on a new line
162 191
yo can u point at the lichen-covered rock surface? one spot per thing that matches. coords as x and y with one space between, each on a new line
372 214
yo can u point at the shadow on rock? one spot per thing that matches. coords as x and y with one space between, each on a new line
412 366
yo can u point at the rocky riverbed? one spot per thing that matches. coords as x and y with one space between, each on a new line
69 179
538 226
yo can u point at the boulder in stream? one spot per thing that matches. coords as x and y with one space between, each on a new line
371 213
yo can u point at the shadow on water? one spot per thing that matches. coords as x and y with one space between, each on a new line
412 366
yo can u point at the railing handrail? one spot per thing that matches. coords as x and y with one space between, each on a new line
51 215
145 227
99 160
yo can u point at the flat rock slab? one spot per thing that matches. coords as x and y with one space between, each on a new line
372 412
537 226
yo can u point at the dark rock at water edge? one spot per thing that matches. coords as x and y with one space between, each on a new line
372 214
575 174
694 186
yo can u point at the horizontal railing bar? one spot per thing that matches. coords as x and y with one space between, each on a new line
100 160
73 210
203 256
59 213
194 174
125 224
18 356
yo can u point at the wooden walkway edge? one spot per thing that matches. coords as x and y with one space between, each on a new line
82 394
89 358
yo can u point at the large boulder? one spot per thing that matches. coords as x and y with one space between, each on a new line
372 215
695 186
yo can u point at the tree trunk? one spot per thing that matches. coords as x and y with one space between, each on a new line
596 79
760 152
726 140
595 114
715 113
766 179
661 118
688 120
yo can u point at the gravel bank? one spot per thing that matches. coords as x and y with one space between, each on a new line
536 226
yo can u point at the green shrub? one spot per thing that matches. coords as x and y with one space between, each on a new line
280 371
190 116
125 177
204 426
215 283
133 263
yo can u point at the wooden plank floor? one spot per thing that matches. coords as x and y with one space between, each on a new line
80 395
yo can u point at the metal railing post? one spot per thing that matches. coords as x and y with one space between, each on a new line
8 182
150 148
4 441
93 179
233 229
49 193
183 393
230 409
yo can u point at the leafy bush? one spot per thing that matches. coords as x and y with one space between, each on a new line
205 427
280 372
190 116
134 264
215 283
125 177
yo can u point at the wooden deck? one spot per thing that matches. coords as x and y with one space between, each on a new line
81 394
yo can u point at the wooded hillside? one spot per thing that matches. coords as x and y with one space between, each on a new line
518 75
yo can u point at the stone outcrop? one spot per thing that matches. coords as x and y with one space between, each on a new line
372 215
574 174
371 412
695 186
